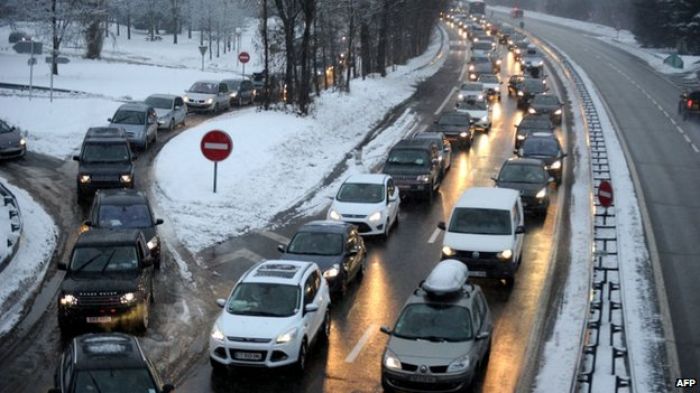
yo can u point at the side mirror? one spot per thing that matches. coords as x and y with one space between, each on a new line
281 248
353 251
495 179
221 302
62 265
168 388
519 230
76 158
385 330
311 307
457 105
441 225
159 221
563 154
482 335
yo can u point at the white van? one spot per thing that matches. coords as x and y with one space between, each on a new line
485 231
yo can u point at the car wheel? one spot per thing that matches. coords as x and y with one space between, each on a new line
155 138
301 360
240 101
156 263
81 198
65 329
184 121
510 282
171 126
216 108
326 328
385 235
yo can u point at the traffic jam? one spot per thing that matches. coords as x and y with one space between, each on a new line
281 313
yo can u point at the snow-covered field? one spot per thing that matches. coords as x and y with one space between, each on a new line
277 158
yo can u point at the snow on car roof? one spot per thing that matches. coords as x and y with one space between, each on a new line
367 178
488 198
279 271
448 276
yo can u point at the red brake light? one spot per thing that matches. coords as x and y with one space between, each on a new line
690 104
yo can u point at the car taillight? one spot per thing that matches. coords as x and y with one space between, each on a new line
690 104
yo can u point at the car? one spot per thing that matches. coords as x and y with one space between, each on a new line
13 144
456 128
479 113
106 362
528 89
170 109
471 90
336 247
491 84
242 91
532 123
415 167
505 33
689 104
531 58
140 122
18 36
109 282
441 340
529 177
479 65
272 316
514 82
126 209
544 146
208 96
444 148
547 104
482 48
370 201
105 161
485 231
518 48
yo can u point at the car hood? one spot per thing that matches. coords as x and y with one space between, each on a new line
428 353
323 261
254 326
10 139
483 243
493 86
135 129
482 67
160 112
364 209
200 96
526 189
95 282
105 168
474 113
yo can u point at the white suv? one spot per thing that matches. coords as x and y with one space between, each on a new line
274 313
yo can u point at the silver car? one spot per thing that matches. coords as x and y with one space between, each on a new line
140 122
442 337
12 143
208 96
170 109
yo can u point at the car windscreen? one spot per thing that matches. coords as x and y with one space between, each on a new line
4 127
408 157
454 120
479 221
124 216
129 117
160 102
488 79
105 152
104 259
475 105
204 88
478 87
540 147
264 299
545 100
482 45
316 243
522 174
480 60
434 322
361 193
114 380
233 84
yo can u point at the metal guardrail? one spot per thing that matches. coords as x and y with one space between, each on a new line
15 220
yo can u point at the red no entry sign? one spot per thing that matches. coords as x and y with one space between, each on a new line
605 194
243 57
216 145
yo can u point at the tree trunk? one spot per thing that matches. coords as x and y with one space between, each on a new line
128 24
218 39
176 19
314 53
365 49
266 85
309 7
94 39
209 31
351 33
54 38
383 32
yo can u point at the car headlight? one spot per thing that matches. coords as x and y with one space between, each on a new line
332 272
234 94
517 51
127 298
542 193
374 217
460 96
471 67
505 255
210 100
480 97
485 118
510 42
186 99
459 364
423 178
84 179
217 334
520 94
448 251
476 39
161 122
463 134
520 137
498 62
22 142
540 63
391 361
557 112
555 165
531 111
153 243
334 215
68 300
125 178
286 337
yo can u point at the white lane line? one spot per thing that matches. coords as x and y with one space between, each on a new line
243 253
461 74
434 236
371 330
680 130
275 236
687 138
671 119
447 99
694 148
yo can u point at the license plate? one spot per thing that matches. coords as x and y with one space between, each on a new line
422 378
477 274
247 356
420 188
103 319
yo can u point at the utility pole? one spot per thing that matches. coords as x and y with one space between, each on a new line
266 88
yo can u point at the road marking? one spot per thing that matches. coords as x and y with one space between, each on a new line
371 330
694 148
671 119
434 236
447 99
687 139
680 130
275 236
461 74
242 253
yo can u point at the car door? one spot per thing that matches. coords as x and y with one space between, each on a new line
518 222
486 327
223 98
352 261
312 320
392 198
152 123
179 111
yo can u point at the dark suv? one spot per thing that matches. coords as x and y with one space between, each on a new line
689 104
126 209
108 282
106 362
105 161
414 165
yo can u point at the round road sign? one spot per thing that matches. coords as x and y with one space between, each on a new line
216 145
243 57
605 194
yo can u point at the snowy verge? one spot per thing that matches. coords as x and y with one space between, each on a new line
278 158
21 278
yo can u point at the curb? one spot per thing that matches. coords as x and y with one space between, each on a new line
15 226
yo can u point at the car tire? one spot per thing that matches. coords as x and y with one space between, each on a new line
184 121
156 263
171 126
300 365
325 333
65 329
81 198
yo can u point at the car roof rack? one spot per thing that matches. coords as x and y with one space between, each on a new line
448 278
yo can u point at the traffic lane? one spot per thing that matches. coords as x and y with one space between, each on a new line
664 161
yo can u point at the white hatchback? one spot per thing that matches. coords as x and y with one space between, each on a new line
276 310
370 201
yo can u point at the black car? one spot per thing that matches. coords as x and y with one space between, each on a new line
514 83
106 362
105 161
529 124
415 167
689 104
544 146
455 126
504 34
444 149
528 89
126 209
547 104
530 177
336 247
108 282
242 91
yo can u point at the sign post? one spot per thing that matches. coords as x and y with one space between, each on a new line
244 57
605 197
216 146
203 51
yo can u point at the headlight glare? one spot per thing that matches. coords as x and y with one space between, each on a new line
374 217
531 111
332 272
85 179
542 193
391 361
127 298
520 94
557 112
286 337
217 334
22 142
334 215
463 134
210 100
153 243
448 251
556 165
505 255
125 178
69 300
423 178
